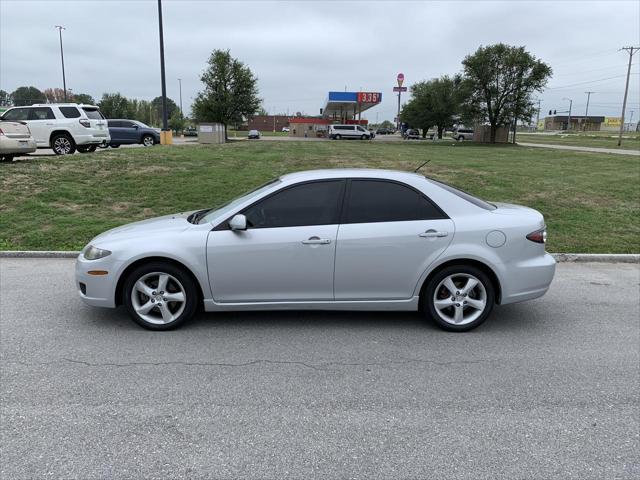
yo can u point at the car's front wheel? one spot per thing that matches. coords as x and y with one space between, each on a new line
461 138
459 298
148 141
160 296
63 144
338 137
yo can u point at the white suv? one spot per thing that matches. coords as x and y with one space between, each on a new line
337 132
63 127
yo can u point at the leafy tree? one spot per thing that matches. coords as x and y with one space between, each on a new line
27 96
176 122
114 105
5 99
436 102
172 108
500 81
56 95
83 98
230 91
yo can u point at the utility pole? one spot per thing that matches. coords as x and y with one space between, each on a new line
586 111
630 51
64 80
569 117
180 84
165 120
538 114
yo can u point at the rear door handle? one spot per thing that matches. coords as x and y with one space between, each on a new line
316 241
433 234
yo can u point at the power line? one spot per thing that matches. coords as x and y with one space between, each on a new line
588 82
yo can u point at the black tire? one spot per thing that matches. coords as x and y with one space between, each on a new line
148 140
115 146
6 158
183 279
429 294
87 148
338 137
63 144
363 137
460 138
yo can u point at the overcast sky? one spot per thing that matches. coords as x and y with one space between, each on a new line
299 50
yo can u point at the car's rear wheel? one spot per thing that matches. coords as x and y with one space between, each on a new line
87 148
115 146
63 144
459 298
148 141
6 158
160 296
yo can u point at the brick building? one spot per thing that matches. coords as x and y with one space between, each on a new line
268 123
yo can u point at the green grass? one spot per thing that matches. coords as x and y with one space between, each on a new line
590 201
630 140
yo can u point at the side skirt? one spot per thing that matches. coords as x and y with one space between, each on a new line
362 305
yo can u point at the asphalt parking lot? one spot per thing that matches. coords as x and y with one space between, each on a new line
546 389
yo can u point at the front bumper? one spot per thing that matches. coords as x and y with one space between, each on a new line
97 290
528 279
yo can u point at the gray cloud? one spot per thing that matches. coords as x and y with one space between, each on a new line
302 49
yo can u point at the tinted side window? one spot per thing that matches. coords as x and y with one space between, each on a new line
113 123
70 112
93 113
41 113
17 114
307 204
372 201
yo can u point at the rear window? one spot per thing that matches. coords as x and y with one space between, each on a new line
464 195
70 112
93 113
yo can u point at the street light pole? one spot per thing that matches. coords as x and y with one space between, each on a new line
64 80
165 120
180 83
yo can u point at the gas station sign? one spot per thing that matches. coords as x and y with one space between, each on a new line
369 97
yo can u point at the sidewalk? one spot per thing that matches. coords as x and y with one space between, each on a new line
617 151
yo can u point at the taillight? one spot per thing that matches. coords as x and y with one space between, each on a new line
85 123
539 236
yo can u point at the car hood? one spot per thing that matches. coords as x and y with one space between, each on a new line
167 223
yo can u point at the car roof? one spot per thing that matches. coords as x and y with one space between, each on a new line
350 173
61 105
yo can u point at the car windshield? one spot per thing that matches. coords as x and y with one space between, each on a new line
464 195
140 124
227 207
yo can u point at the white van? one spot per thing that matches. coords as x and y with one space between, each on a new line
338 132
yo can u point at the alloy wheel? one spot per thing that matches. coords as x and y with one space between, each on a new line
158 298
460 299
62 146
147 141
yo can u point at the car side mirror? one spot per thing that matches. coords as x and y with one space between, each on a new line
238 222
136 127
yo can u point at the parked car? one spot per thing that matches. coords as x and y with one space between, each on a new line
338 132
63 127
190 132
285 129
412 134
253 135
383 131
461 134
340 239
127 132
15 139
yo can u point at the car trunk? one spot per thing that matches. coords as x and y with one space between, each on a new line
96 120
15 129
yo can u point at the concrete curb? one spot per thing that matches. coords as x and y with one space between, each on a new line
560 257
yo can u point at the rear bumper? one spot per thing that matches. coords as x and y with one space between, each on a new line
95 138
12 146
528 279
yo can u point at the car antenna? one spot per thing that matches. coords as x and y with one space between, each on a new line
416 170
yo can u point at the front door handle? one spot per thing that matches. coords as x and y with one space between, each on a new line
316 241
433 234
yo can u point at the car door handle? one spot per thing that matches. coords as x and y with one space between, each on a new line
316 241
433 234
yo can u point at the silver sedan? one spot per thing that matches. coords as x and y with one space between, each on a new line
329 240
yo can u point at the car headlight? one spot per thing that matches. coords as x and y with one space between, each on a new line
94 253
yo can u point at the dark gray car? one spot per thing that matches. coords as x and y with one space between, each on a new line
126 132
